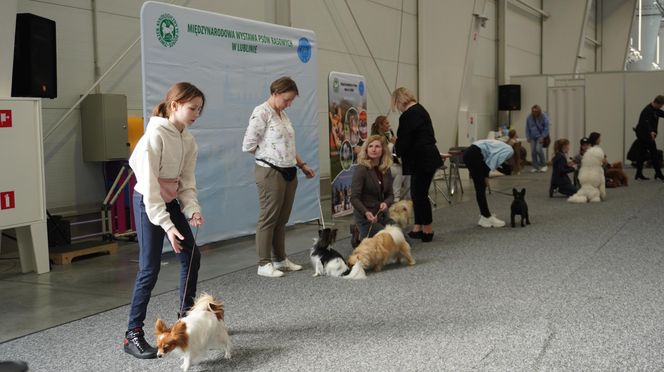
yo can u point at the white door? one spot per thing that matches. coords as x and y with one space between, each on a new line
566 116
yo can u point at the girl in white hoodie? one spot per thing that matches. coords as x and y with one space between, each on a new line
165 200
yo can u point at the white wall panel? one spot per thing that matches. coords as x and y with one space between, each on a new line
7 28
444 30
561 34
314 15
605 112
617 16
521 62
523 29
522 41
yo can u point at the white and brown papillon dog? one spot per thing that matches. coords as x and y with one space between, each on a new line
202 329
324 259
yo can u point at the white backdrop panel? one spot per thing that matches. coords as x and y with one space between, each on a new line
566 116
605 112
206 52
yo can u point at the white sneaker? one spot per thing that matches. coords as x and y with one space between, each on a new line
484 222
544 169
495 222
490 222
269 271
287 265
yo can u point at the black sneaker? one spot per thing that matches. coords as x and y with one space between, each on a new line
135 344
354 235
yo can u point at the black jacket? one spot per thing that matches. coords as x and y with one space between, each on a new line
559 175
648 122
416 142
367 192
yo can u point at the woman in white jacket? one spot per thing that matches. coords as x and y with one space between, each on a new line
165 199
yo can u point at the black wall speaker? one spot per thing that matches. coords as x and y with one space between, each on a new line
35 70
509 97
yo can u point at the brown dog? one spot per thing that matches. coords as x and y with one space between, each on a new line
402 213
376 252
615 176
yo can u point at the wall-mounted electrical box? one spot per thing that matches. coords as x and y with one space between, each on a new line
104 127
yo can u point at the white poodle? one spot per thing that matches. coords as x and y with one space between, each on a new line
591 178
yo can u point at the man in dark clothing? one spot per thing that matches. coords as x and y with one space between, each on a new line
646 131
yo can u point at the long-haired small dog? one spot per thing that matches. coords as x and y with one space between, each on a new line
401 212
325 260
376 252
202 329
615 176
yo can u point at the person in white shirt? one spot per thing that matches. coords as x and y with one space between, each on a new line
271 139
165 199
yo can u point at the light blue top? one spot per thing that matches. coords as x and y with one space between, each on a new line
494 152
537 128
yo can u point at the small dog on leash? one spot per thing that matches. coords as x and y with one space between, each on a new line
203 328
324 259
376 252
401 212
519 207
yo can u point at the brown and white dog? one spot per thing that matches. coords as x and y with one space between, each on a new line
379 250
401 212
203 328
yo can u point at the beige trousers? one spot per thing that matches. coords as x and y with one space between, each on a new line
275 199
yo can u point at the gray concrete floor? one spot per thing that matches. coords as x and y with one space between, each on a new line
88 286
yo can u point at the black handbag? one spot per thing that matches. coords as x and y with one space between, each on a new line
289 173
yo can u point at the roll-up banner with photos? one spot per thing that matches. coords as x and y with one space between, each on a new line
233 61
348 128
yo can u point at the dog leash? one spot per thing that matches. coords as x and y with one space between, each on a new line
320 209
186 282
501 192
371 226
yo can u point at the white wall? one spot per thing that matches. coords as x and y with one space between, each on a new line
356 36
76 186
484 79
605 111
7 27
561 34
523 44
616 22
588 62
361 37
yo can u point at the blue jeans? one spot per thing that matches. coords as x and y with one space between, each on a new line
367 230
537 153
150 242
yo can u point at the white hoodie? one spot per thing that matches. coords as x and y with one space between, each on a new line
163 153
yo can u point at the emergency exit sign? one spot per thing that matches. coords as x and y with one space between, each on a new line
5 118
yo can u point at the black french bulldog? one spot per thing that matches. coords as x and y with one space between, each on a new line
519 207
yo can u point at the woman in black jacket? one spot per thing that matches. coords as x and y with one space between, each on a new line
646 132
416 146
